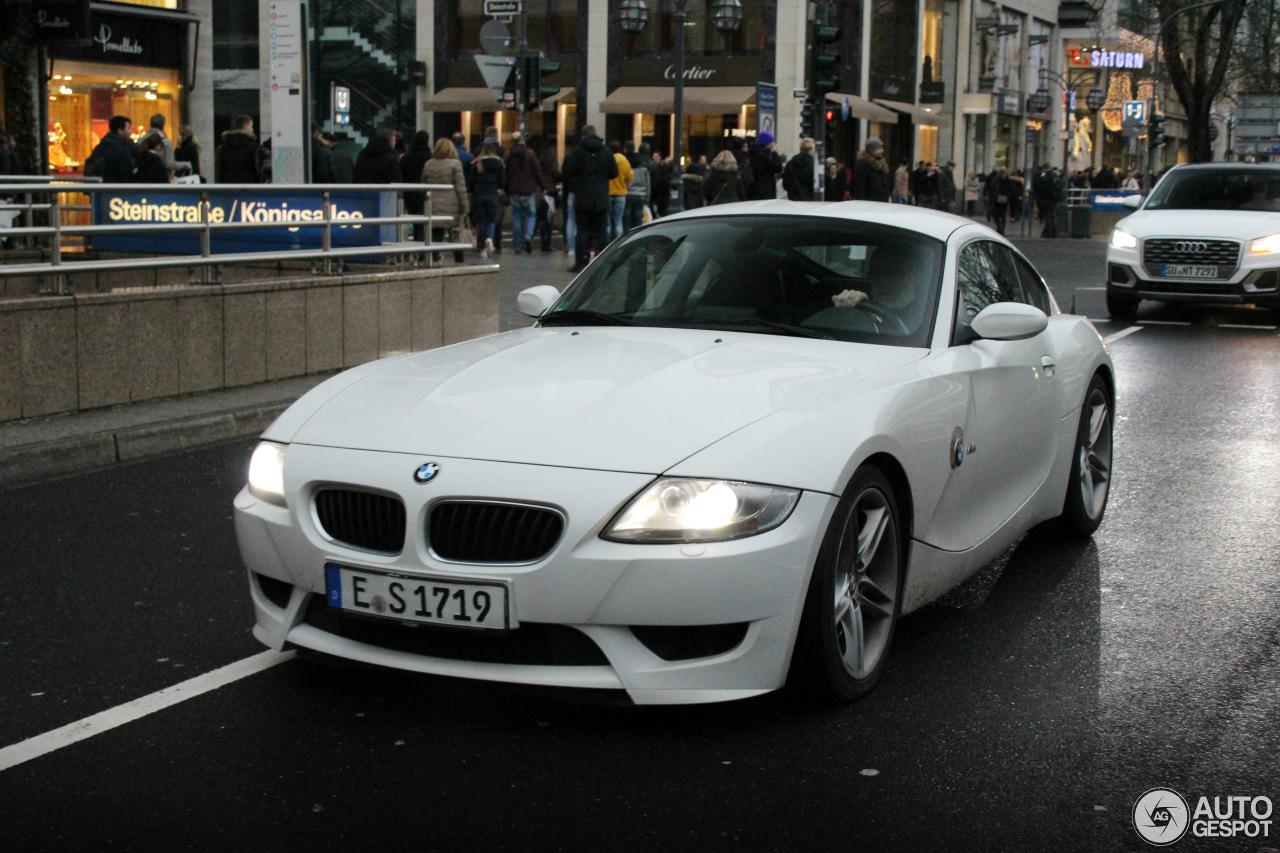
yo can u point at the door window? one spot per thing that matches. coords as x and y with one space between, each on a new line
1034 290
985 275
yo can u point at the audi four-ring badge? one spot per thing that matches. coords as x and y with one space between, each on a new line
734 452
1206 233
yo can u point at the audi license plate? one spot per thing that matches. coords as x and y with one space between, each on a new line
1188 271
440 602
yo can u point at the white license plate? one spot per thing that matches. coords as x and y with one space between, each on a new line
439 602
1188 271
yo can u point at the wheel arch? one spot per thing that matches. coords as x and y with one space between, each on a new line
897 477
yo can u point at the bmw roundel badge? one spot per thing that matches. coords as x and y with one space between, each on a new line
426 472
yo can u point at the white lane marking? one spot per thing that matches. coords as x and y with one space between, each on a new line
1245 326
1123 333
1165 322
34 747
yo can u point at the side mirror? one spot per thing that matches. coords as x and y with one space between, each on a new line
1009 321
534 301
1133 202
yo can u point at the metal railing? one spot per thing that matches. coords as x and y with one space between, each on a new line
207 262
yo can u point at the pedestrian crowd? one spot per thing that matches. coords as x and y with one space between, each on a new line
600 190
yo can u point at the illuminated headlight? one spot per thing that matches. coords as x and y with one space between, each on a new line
1265 245
1123 240
678 510
266 472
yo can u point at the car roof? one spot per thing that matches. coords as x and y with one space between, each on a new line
1186 167
931 223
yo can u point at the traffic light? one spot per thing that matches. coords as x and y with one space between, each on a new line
536 69
829 133
1155 131
824 66
808 117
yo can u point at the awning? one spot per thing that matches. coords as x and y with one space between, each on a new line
461 99
919 115
698 100
565 92
860 107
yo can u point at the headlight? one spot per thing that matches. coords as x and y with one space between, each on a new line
678 510
1123 240
266 472
1263 245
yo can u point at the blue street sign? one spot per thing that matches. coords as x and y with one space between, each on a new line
1135 111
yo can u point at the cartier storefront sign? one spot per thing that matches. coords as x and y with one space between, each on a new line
702 71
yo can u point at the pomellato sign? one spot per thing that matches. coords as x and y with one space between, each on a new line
124 45
60 20
130 39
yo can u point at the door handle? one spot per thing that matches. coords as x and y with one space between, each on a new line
1048 364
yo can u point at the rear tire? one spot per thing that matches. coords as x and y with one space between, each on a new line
1090 482
1122 306
855 595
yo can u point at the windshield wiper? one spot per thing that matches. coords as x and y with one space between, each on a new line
784 328
579 317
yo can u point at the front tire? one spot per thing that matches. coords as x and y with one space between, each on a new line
855 595
1090 481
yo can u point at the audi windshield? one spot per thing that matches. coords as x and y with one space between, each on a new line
1256 189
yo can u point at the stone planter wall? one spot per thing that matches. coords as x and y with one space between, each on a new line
68 353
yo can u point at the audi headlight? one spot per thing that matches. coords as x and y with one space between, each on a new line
266 472
1123 240
1265 245
673 510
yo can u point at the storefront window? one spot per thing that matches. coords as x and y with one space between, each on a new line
84 97
931 65
701 36
159 4
894 34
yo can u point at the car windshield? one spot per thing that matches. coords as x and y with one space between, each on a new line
783 275
1218 189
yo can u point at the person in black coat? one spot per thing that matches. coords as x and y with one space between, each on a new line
188 150
343 168
151 167
797 175
378 162
112 159
870 174
587 172
411 173
321 159
765 165
239 159
487 176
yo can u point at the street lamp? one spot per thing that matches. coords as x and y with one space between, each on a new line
726 17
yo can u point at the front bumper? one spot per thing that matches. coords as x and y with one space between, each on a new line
617 596
1255 280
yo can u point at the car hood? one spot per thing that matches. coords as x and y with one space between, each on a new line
622 399
1232 224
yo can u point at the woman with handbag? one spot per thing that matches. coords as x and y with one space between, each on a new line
722 184
1000 191
444 167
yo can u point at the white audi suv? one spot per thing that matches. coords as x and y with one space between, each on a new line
1206 233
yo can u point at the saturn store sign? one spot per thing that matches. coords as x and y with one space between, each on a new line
1106 58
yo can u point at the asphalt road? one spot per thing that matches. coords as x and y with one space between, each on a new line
1026 711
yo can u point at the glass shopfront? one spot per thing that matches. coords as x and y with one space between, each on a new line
131 66
83 97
